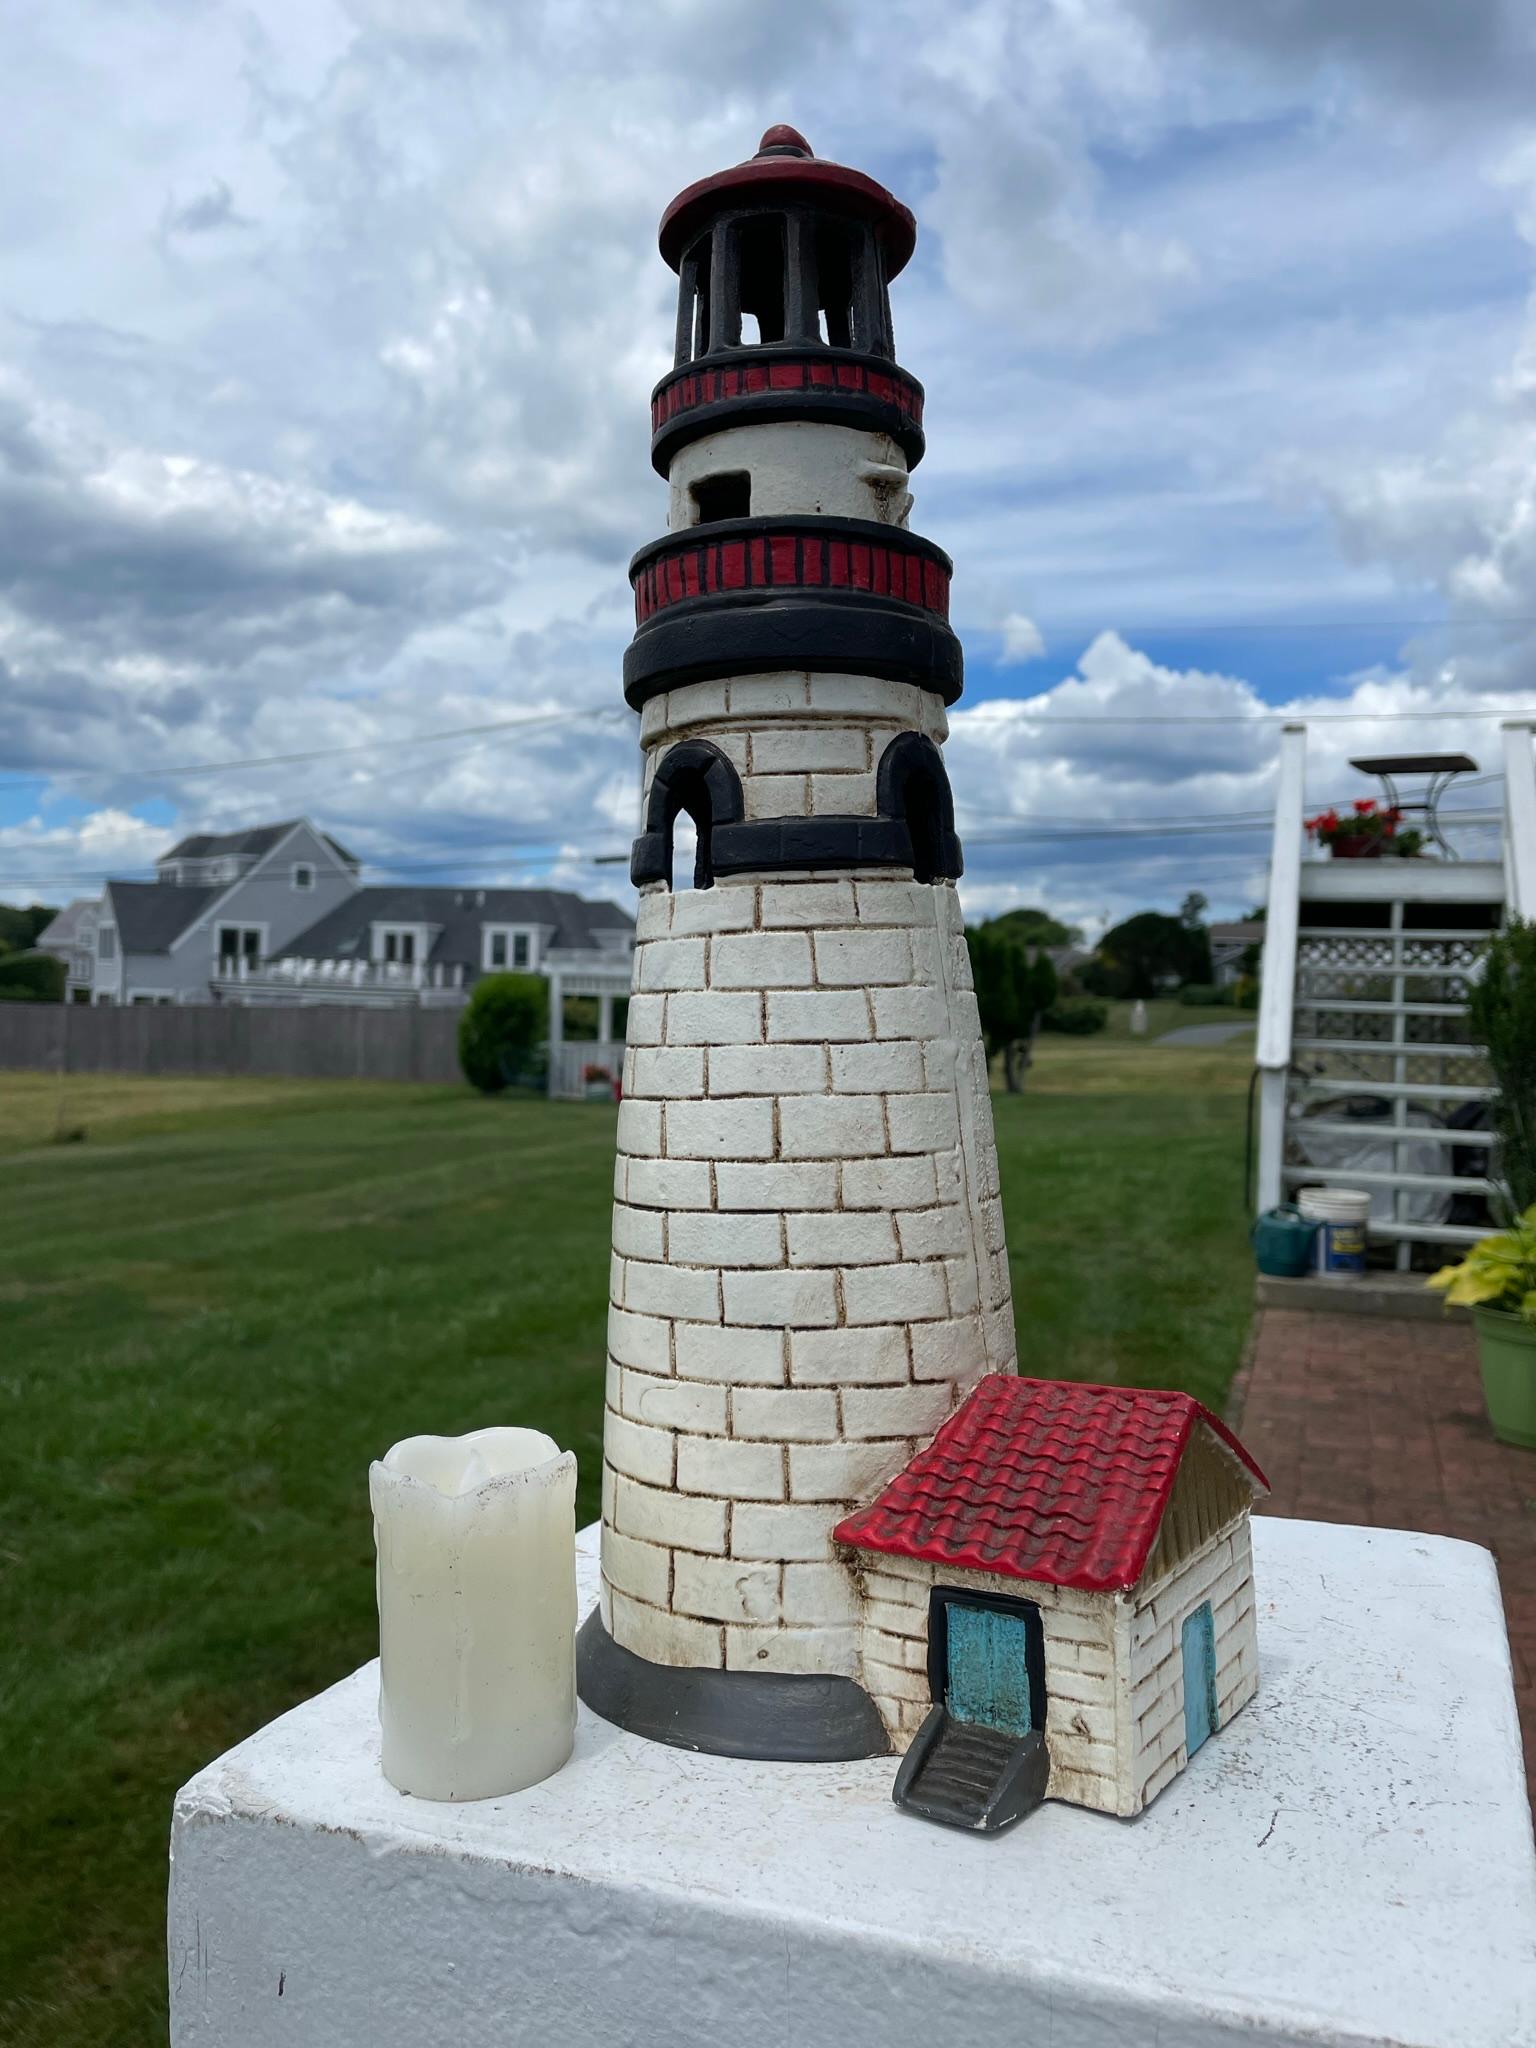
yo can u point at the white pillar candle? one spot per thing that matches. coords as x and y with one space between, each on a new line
476 1541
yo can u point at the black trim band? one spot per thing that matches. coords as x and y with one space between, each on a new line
771 1716
849 634
914 828
737 387
834 842
766 408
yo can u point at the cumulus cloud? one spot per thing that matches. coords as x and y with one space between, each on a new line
344 441
1022 640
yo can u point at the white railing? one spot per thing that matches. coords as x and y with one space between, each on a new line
571 1060
339 981
1366 970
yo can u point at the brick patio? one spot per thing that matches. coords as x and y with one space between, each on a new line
1365 1419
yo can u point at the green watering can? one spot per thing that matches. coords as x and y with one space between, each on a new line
1282 1241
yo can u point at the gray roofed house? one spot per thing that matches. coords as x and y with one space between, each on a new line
222 902
1229 943
212 857
149 915
71 937
455 923
276 915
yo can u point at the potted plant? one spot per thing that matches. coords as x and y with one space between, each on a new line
598 1084
1497 1281
1369 831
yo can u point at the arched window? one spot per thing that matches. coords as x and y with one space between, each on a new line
912 787
698 779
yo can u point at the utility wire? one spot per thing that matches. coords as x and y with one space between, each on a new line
419 739
29 779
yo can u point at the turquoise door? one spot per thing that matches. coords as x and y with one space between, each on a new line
987 1676
1199 1677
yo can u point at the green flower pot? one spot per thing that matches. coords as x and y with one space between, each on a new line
1506 1351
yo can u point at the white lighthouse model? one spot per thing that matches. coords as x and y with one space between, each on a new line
809 1269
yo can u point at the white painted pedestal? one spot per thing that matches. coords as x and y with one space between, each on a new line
1349 1863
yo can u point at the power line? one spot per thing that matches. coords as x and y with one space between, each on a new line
418 739
1244 718
598 712
1070 629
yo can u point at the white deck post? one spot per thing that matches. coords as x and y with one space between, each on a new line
1520 818
1277 992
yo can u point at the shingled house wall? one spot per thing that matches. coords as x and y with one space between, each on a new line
809 1269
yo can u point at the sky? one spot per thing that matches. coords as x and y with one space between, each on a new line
327 331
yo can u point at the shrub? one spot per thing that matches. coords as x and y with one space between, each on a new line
1101 977
1079 1016
31 978
1246 994
501 1029
1204 995
1502 1006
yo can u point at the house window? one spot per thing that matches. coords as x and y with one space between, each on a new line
239 943
507 947
106 942
400 947
303 875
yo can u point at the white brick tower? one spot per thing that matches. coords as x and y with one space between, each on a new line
809 1269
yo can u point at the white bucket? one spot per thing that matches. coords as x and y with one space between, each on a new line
1343 1214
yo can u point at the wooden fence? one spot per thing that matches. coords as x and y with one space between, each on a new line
329 1042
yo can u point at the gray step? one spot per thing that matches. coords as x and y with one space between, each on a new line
964 1775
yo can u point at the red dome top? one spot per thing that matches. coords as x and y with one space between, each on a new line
785 172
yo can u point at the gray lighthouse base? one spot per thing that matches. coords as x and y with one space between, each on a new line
769 1716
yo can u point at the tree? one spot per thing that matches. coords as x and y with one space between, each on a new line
1148 952
21 928
1013 992
1192 910
1501 1004
1034 928
501 1027
31 978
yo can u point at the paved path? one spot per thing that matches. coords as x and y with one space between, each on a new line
1381 1420
1206 1034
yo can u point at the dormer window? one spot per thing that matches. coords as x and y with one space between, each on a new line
507 949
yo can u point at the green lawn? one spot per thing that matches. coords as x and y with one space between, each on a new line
227 1298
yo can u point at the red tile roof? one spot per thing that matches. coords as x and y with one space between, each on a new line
1042 1479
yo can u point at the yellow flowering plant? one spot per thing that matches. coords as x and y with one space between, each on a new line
1499 1272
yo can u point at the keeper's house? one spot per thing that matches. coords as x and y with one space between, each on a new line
1057 1598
